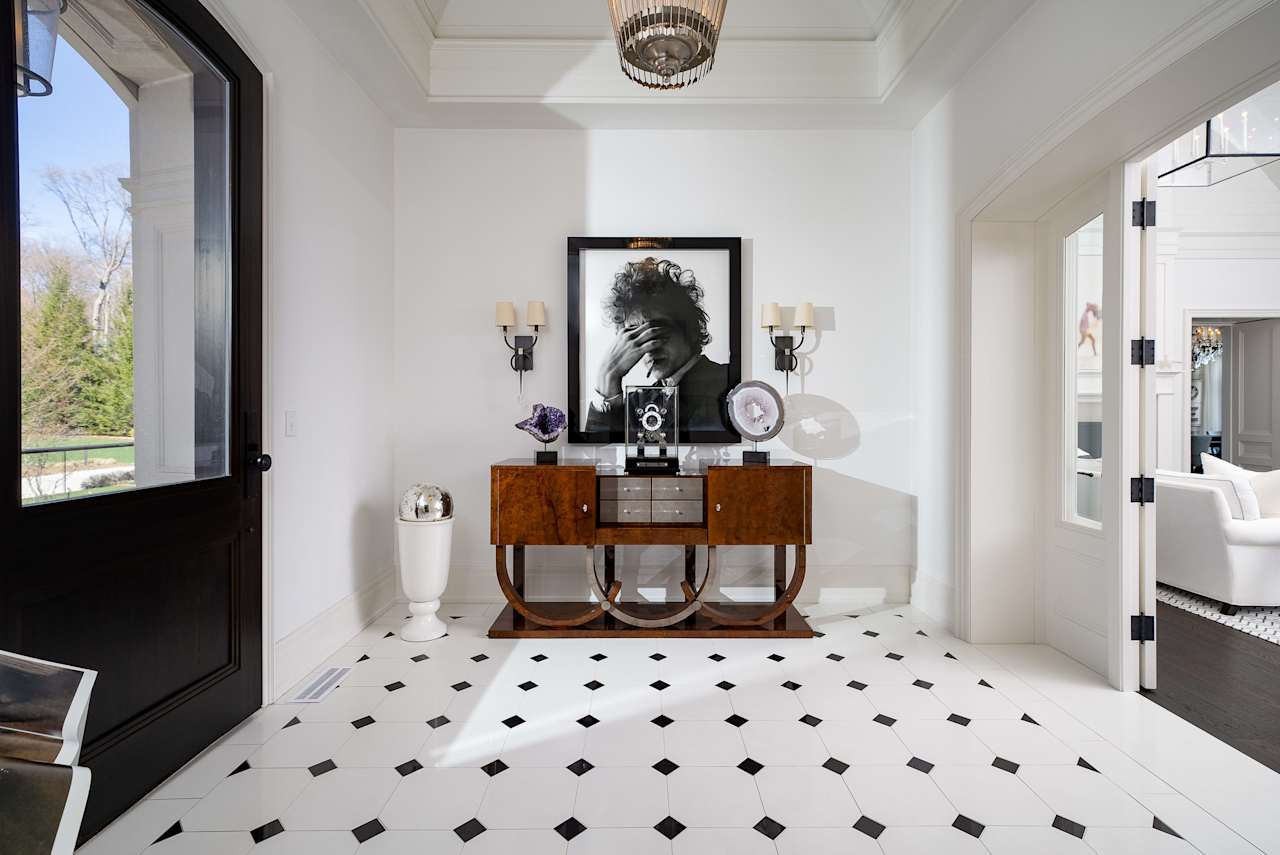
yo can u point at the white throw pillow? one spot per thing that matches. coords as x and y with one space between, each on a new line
1267 487
1241 480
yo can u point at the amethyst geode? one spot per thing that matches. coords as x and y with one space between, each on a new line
545 423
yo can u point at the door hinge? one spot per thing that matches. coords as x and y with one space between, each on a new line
1142 491
1142 351
1142 627
1144 213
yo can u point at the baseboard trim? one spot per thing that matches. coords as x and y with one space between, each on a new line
298 653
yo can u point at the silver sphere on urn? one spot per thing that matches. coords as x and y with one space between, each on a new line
426 503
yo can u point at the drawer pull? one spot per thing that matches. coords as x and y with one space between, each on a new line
717 507
584 509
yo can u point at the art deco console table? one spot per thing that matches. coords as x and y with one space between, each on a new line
585 506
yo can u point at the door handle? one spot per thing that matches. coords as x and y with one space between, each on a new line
717 507
260 461
584 509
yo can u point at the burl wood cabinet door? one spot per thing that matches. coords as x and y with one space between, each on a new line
758 506
543 505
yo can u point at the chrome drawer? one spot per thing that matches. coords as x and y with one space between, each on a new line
678 489
624 489
689 513
624 512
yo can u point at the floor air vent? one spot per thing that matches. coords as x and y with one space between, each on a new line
319 688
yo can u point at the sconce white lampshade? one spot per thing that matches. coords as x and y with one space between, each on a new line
505 314
770 316
804 315
535 314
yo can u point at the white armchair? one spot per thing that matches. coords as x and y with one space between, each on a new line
1205 546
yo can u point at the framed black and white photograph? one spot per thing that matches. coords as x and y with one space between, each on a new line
654 311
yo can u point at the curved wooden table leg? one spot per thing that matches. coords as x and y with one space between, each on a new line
778 608
518 603
693 601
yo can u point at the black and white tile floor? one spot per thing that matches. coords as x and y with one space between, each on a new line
882 736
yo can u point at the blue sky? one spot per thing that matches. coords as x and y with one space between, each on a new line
81 125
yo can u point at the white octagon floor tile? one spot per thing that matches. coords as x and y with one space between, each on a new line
863 743
383 743
835 702
302 745
308 843
134 830
722 841
247 800
378 672
549 745
704 743
906 702
806 796
942 742
825 841
341 800
345 703
898 795
1084 796
991 796
525 842
784 743
626 743
204 843
700 702
941 670
1022 742
974 701
529 798
1041 841
435 799
464 743
393 842
929 841
205 772
619 841
1136 841
877 671
621 796
1195 825
714 797
415 702
765 701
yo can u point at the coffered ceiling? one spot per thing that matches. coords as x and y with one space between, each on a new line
552 63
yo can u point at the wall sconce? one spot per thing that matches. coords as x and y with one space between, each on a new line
535 316
785 346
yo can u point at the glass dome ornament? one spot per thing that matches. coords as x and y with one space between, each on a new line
667 44
426 503
36 35
756 412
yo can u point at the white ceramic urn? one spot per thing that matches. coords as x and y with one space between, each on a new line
424 572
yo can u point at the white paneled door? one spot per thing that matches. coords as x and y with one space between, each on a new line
1086 594
1255 395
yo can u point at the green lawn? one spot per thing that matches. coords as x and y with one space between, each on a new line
76 494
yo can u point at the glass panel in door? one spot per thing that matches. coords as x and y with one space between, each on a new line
1082 274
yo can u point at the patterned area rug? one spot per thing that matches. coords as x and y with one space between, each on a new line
1260 621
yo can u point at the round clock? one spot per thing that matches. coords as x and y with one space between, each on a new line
755 410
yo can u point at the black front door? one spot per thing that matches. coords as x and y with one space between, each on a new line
130 375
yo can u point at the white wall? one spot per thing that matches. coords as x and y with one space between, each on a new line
1026 89
329 306
483 216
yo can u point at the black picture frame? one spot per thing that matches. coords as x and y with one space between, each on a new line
733 245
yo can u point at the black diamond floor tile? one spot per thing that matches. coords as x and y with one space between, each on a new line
837 766
736 720
985 684
363 721
461 686
176 828
869 827
408 767
527 685
320 768
469 830
588 720
1029 720
1071 827
791 684
871 633
776 658
368 831
364 657
656 657
421 657
494 767
438 721
958 719
948 655
267 830
669 828
770 828
665 766
662 721
716 657
1159 825
394 687
513 722
750 766
835 657
922 684
1084 764
593 685
570 828
724 684
659 685
291 722
894 656
479 657
811 720
539 657
599 657
920 765
1005 765
971 827
580 767
854 684
243 767
885 720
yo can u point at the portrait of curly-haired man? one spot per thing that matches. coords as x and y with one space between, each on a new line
650 313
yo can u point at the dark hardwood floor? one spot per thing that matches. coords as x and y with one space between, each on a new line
1221 680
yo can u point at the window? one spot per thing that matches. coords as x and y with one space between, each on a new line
1082 315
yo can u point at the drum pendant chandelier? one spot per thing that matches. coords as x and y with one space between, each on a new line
667 45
